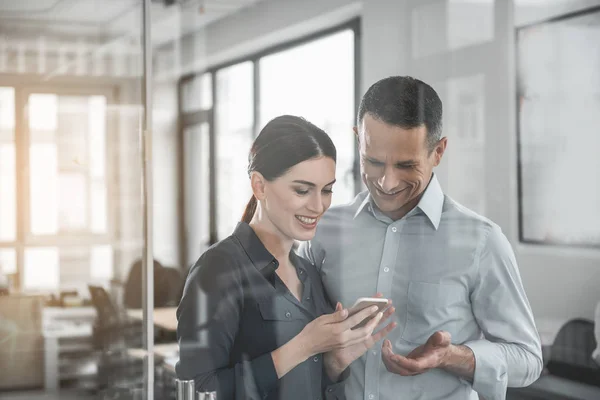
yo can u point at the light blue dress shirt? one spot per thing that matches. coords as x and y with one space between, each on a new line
445 268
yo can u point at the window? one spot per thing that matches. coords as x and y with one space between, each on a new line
62 237
558 120
234 122
67 161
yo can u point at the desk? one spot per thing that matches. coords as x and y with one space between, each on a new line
67 330
165 317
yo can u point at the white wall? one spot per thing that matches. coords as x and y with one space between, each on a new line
466 50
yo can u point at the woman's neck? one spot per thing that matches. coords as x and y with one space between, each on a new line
273 240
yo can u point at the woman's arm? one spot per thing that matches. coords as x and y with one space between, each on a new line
206 335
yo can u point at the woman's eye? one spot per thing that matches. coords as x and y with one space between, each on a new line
301 192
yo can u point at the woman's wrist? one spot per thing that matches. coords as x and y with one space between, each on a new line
334 366
288 356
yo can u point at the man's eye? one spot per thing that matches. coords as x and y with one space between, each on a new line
328 191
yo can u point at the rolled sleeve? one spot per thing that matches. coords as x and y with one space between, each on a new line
510 355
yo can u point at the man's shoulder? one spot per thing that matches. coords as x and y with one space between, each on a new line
455 211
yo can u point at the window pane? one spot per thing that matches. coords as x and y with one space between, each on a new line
101 263
41 268
558 124
289 87
8 261
8 206
197 190
43 190
42 112
72 212
7 110
68 165
8 188
234 135
97 135
197 93
99 223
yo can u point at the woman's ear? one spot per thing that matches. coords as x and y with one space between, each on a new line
258 182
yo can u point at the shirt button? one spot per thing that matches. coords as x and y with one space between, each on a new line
288 314
300 272
394 229
308 298
386 269
316 359
371 396
330 390
374 352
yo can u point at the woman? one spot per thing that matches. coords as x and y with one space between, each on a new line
269 321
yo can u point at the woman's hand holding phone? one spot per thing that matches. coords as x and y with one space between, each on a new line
336 361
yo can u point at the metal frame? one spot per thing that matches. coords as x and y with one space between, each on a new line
186 119
518 91
147 204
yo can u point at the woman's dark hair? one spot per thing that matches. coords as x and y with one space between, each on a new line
284 142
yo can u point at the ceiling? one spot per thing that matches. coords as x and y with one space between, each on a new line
111 18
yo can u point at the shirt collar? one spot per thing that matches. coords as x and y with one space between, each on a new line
262 259
431 202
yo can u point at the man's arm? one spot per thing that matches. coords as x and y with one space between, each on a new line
511 353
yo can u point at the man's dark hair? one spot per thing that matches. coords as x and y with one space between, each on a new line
405 102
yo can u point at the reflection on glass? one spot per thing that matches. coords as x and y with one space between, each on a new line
320 89
197 190
41 268
233 123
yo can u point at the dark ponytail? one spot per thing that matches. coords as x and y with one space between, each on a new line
250 210
284 142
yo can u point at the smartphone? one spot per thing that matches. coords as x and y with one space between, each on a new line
365 302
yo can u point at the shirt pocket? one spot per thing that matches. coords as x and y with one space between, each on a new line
279 309
432 307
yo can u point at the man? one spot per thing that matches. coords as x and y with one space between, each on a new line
464 324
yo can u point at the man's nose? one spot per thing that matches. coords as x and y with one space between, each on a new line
389 180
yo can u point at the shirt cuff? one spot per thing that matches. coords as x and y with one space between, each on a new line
265 374
490 379
335 390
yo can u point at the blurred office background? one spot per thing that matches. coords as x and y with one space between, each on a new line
520 82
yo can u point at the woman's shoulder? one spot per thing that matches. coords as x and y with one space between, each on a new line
218 265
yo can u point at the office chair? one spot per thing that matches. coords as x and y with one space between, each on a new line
114 335
571 353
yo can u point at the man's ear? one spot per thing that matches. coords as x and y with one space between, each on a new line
439 150
355 129
257 181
